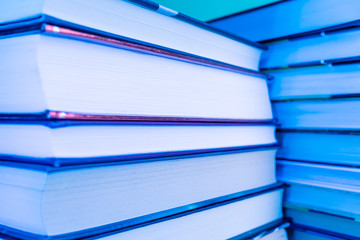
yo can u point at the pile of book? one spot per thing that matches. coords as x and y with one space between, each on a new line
128 120
313 58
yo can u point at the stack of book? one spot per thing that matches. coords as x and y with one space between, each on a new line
313 58
128 120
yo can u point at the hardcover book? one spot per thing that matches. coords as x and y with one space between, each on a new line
80 202
322 47
62 73
87 142
320 81
323 223
332 199
332 147
290 17
335 113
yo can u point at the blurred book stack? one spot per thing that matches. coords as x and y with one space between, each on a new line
128 120
313 58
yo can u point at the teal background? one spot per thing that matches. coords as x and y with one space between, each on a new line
207 10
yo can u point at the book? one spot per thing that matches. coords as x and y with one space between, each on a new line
329 113
321 187
139 20
321 175
322 222
332 199
82 76
288 18
105 198
324 47
319 81
84 142
331 147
